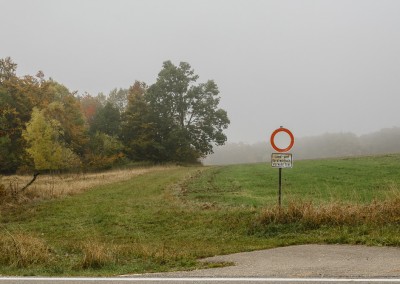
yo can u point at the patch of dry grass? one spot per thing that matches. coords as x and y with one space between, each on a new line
378 212
96 254
22 250
48 186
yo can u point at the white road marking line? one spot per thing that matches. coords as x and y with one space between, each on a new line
201 279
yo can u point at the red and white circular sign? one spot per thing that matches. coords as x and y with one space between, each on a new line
281 150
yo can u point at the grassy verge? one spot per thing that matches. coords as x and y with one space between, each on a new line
166 220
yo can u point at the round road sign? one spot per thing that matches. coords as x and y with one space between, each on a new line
282 129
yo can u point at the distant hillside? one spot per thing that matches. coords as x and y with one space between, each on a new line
323 146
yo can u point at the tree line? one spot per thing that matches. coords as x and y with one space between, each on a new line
46 127
328 145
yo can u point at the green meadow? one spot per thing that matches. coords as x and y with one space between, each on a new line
167 220
353 180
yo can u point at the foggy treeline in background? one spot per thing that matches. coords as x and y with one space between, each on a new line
323 146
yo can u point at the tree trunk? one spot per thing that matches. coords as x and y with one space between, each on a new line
33 179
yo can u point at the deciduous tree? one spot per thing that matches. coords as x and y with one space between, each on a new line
107 120
187 116
105 151
138 130
46 147
118 98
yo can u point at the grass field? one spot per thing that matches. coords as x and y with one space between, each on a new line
354 180
166 219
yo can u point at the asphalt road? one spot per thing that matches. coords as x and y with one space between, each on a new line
295 264
308 261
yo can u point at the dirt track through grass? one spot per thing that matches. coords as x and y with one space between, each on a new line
49 186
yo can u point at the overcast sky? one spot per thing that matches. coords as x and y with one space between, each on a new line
311 66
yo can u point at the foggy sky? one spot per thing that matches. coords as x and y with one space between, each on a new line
311 66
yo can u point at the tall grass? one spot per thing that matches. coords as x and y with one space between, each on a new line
96 254
22 250
378 212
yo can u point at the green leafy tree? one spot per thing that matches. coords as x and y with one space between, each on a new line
138 131
16 102
66 109
187 116
107 120
118 98
46 148
8 159
105 151
7 69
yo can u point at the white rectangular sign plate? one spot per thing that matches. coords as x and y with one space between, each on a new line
282 160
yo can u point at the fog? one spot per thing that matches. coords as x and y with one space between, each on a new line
315 67
328 145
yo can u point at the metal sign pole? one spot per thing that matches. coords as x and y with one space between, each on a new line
280 188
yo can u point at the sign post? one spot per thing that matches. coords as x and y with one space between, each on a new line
281 159
280 188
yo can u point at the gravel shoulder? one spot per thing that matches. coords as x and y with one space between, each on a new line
305 261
